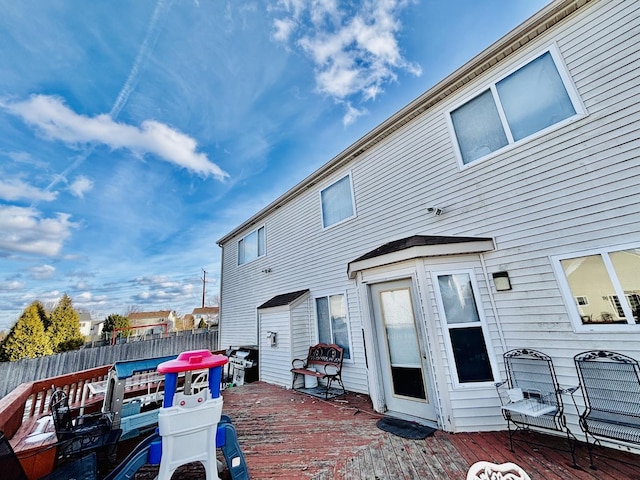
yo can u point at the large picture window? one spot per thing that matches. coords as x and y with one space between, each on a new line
337 202
251 246
602 287
333 326
466 337
527 101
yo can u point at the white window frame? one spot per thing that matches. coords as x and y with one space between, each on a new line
453 367
243 240
347 320
353 202
567 81
569 299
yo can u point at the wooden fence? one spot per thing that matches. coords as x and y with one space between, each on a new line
13 374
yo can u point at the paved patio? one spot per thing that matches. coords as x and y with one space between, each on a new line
289 435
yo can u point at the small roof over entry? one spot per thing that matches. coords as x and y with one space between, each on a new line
418 246
283 299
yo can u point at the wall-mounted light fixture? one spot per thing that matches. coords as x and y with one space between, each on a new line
266 270
501 281
435 210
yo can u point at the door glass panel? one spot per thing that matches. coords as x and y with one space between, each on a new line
402 343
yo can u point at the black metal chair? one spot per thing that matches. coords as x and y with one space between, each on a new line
610 384
87 433
534 398
10 467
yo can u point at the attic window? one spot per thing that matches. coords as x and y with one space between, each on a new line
531 99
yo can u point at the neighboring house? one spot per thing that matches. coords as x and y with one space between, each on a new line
208 314
96 329
152 322
85 324
498 210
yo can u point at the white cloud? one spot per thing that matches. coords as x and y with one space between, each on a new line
352 114
58 122
354 52
12 285
42 272
80 186
22 229
12 190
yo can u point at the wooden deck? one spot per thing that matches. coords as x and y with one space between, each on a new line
289 435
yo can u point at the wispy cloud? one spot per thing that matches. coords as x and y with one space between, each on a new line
159 289
355 52
42 272
23 229
80 186
56 121
15 189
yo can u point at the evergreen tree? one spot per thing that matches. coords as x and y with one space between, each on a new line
64 326
115 321
27 338
202 323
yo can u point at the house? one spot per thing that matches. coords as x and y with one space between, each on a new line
85 324
152 322
208 314
498 210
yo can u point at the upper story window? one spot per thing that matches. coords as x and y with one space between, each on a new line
251 246
337 202
602 288
529 100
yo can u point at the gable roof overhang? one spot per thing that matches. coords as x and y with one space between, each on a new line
513 41
418 246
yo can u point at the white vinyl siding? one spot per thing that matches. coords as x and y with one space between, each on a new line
275 361
534 97
568 189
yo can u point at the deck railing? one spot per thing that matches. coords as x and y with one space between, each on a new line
30 400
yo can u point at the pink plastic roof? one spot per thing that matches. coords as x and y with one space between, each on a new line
192 360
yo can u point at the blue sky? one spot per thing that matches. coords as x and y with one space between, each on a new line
134 134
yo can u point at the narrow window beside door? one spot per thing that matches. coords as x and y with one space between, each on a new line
332 322
466 334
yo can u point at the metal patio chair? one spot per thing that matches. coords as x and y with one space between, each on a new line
610 384
533 397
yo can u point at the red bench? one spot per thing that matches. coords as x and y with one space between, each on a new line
324 362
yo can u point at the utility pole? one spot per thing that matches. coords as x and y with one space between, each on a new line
204 281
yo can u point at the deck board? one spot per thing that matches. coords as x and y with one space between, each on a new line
288 435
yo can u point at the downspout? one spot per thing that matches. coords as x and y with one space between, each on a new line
493 304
